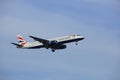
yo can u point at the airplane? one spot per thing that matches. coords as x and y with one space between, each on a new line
53 44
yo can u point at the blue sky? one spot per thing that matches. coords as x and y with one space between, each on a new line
97 57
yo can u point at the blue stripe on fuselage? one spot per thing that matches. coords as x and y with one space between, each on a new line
36 47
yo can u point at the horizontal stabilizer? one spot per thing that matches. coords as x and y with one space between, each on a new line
16 44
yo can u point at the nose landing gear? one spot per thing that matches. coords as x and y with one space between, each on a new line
76 43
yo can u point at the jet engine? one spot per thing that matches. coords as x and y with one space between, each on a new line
60 47
54 42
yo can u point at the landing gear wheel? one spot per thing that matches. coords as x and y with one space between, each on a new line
76 43
53 50
47 48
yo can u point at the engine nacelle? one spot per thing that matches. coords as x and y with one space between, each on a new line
61 47
54 42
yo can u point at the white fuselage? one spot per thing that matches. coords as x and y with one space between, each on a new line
62 40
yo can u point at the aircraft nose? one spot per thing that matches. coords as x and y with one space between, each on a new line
82 38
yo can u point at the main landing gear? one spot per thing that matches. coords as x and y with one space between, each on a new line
76 43
53 50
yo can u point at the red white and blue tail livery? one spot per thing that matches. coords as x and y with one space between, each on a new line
53 44
21 40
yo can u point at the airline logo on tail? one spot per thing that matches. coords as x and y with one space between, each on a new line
21 40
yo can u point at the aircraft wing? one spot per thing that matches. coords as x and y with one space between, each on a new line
44 41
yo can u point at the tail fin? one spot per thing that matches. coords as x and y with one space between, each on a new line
21 40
